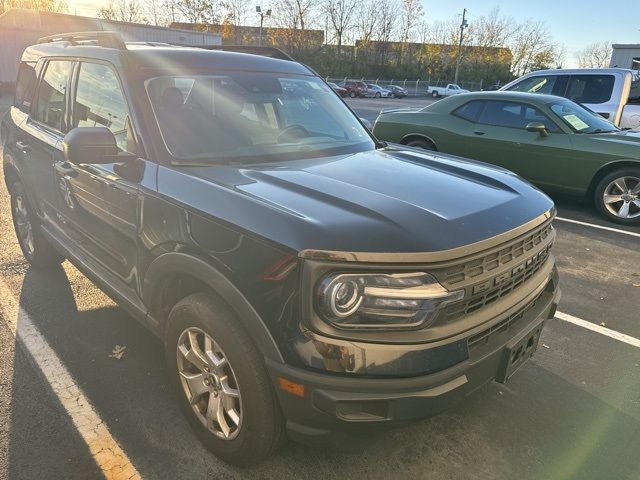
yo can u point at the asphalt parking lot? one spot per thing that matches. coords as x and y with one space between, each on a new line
572 412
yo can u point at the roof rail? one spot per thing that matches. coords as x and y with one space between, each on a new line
262 51
102 39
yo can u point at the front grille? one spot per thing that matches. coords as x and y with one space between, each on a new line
490 276
507 254
485 336
478 301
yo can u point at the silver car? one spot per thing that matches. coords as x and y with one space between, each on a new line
377 91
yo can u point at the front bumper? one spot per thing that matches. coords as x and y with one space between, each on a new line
338 407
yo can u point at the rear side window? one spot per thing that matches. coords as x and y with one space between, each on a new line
52 95
469 111
514 115
26 86
100 103
590 88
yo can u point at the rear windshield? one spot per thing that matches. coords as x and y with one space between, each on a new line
250 117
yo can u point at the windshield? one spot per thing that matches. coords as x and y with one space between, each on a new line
579 119
252 117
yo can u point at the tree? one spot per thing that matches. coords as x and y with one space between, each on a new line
123 11
196 11
340 16
412 12
595 55
157 12
532 48
40 5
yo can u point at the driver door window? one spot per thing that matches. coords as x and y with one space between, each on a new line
100 103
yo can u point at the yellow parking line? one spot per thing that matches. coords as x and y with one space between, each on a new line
104 449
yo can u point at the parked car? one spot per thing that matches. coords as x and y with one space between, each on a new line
553 142
291 291
450 89
614 93
377 91
339 90
397 92
355 88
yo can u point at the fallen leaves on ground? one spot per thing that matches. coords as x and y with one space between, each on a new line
118 352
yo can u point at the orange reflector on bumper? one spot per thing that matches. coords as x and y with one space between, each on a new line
291 387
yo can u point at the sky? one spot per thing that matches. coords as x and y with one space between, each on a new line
573 23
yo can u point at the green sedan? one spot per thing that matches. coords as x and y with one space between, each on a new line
551 141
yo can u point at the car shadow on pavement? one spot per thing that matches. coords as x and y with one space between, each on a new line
540 426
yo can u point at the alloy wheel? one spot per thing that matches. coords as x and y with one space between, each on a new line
209 383
24 229
622 197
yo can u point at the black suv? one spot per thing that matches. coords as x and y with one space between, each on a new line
302 275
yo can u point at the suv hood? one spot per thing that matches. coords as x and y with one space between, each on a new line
389 200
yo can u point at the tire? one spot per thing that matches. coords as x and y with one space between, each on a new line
258 430
352 94
421 143
625 185
435 94
35 247
378 95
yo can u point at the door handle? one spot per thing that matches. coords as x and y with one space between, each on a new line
22 146
65 169
478 132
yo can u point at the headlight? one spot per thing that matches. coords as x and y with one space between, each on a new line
402 300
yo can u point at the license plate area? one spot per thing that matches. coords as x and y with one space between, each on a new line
518 351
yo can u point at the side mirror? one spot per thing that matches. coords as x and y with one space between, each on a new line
538 127
366 123
90 145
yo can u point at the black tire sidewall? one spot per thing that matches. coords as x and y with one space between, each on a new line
599 193
261 417
423 144
44 255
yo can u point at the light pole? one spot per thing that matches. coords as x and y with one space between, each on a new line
463 25
262 15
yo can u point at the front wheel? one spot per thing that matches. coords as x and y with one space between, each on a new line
35 247
378 95
617 196
221 382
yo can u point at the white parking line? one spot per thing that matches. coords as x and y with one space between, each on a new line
635 342
601 227
106 452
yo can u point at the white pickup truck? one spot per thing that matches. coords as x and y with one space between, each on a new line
450 89
613 93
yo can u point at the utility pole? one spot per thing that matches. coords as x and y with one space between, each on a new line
463 25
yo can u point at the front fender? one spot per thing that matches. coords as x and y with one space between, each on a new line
181 263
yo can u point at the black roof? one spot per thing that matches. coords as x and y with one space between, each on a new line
165 57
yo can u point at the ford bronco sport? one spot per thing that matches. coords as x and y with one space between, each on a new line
304 277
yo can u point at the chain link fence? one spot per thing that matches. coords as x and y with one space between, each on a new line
414 87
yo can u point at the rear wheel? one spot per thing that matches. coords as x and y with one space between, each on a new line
352 94
617 196
421 143
378 95
221 382
35 247
435 94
